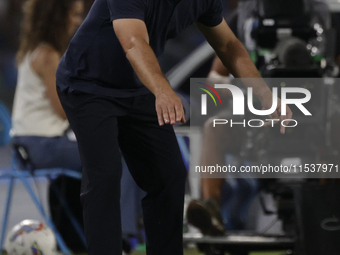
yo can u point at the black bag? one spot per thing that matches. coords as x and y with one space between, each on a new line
273 15
320 214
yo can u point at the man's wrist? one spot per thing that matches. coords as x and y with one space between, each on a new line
161 88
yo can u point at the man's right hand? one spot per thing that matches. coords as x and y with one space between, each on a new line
134 38
169 107
266 101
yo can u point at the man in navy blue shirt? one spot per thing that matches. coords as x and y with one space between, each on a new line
116 96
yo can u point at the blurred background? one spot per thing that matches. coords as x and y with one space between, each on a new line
284 39
10 21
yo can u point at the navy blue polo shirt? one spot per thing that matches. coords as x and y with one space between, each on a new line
95 61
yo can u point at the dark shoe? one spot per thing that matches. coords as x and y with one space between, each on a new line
214 210
206 217
126 246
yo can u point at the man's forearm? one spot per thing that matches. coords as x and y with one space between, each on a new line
237 60
134 38
146 66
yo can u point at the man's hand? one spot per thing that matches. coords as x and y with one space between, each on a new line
266 101
133 36
236 59
169 107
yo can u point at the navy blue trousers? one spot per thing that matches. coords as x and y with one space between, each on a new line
104 124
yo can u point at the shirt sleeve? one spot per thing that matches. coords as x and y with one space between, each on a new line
214 14
125 9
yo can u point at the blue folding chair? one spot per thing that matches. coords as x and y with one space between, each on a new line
22 169
5 125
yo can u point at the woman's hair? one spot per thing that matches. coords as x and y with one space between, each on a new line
44 21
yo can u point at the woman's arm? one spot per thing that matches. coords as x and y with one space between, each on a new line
45 66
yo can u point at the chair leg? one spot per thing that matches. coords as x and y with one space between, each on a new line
48 220
6 212
70 215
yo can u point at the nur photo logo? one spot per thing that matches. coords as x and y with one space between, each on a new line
204 97
239 99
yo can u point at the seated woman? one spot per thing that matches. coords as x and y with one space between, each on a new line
39 121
